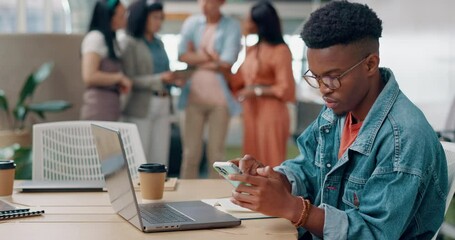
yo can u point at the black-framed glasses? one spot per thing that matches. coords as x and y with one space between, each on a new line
328 81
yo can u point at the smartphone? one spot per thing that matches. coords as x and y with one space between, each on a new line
184 73
226 168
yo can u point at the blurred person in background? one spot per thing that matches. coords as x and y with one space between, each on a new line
265 84
145 61
210 43
101 65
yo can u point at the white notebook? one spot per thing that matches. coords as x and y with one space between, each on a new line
225 204
8 211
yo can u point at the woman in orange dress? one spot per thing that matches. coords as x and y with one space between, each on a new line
264 84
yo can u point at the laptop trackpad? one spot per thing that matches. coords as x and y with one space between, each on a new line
201 212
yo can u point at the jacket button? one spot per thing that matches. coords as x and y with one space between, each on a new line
327 130
329 165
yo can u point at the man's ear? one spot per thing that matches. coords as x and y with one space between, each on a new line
373 63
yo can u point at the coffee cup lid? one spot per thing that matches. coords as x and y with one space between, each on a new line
7 164
152 168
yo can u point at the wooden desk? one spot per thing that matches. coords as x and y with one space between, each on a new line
89 215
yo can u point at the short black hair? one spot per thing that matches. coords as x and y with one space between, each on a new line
341 22
266 18
137 17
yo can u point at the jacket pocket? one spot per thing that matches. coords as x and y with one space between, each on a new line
352 194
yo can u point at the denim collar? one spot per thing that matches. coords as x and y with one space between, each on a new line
375 117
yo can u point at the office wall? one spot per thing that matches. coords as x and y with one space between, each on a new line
22 53
418 44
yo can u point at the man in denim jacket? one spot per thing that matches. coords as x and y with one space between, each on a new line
371 167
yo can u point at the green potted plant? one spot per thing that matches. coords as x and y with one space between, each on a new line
22 157
14 129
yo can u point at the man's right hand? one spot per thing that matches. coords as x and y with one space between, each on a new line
265 191
249 165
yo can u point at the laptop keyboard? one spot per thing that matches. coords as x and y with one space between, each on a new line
162 213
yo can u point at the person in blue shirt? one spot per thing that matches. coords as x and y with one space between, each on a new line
145 61
210 43
370 165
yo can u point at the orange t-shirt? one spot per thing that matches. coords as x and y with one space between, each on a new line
350 132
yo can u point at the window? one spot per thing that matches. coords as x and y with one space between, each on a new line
8 20
32 16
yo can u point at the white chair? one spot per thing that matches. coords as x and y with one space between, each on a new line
448 133
449 150
66 150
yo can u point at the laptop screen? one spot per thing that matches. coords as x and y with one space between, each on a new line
116 174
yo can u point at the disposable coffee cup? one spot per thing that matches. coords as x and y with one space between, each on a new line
7 170
152 177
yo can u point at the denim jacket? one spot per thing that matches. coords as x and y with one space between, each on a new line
227 45
391 183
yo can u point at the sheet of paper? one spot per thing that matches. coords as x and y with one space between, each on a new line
225 205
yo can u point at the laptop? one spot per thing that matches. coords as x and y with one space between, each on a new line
150 217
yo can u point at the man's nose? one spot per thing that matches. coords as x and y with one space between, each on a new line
324 89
